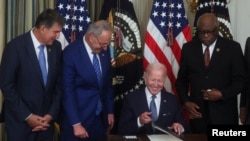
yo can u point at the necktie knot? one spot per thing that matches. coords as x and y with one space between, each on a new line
153 97
41 47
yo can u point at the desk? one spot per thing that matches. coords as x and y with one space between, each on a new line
187 137
195 137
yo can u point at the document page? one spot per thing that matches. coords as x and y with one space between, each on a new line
163 137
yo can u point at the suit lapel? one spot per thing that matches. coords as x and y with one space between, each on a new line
103 65
33 57
87 65
51 62
216 53
163 107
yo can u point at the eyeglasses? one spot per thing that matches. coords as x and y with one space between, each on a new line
207 32
102 44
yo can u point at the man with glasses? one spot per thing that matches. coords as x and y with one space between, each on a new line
211 76
87 86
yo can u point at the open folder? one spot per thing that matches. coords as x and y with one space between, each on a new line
163 137
167 136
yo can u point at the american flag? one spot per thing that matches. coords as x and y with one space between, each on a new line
220 9
77 19
167 31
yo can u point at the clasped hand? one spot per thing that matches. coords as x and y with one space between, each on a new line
208 95
211 94
39 123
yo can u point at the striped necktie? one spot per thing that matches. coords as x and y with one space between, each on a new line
96 66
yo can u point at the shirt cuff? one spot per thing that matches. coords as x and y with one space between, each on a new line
76 124
139 123
28 117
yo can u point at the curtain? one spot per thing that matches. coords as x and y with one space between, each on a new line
94 7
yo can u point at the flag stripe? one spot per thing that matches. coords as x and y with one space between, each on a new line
156 48
161 57
151 56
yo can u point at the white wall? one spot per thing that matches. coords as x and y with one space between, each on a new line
240 20
239 11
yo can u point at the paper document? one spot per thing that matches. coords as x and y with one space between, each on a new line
163 137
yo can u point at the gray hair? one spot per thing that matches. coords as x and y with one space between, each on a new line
155 66
97 27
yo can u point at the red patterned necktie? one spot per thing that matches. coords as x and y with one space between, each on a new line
207 56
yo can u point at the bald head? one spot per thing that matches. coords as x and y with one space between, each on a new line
208 28
207 19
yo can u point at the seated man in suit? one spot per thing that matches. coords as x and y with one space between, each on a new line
138 116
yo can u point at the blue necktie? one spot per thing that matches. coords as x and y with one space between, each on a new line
153 108
96 66
42 62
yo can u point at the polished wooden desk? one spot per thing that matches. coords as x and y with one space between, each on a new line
187 137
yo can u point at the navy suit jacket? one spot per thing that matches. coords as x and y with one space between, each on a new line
135 103
245 95
226 73
80 86
22 84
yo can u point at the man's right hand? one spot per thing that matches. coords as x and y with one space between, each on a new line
37 123
80 131
145 118
192 110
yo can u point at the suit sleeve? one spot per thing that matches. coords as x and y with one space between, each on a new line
182 78
57 86
244 94
128 120
238 73
8 74
69 96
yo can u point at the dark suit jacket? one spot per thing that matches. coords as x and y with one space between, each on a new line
245 95
81 90
225 72
22 84
135 103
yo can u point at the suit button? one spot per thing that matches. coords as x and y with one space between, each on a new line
206 77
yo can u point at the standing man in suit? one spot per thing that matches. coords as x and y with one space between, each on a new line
245 94
87 95
32 96
214 77
137 115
